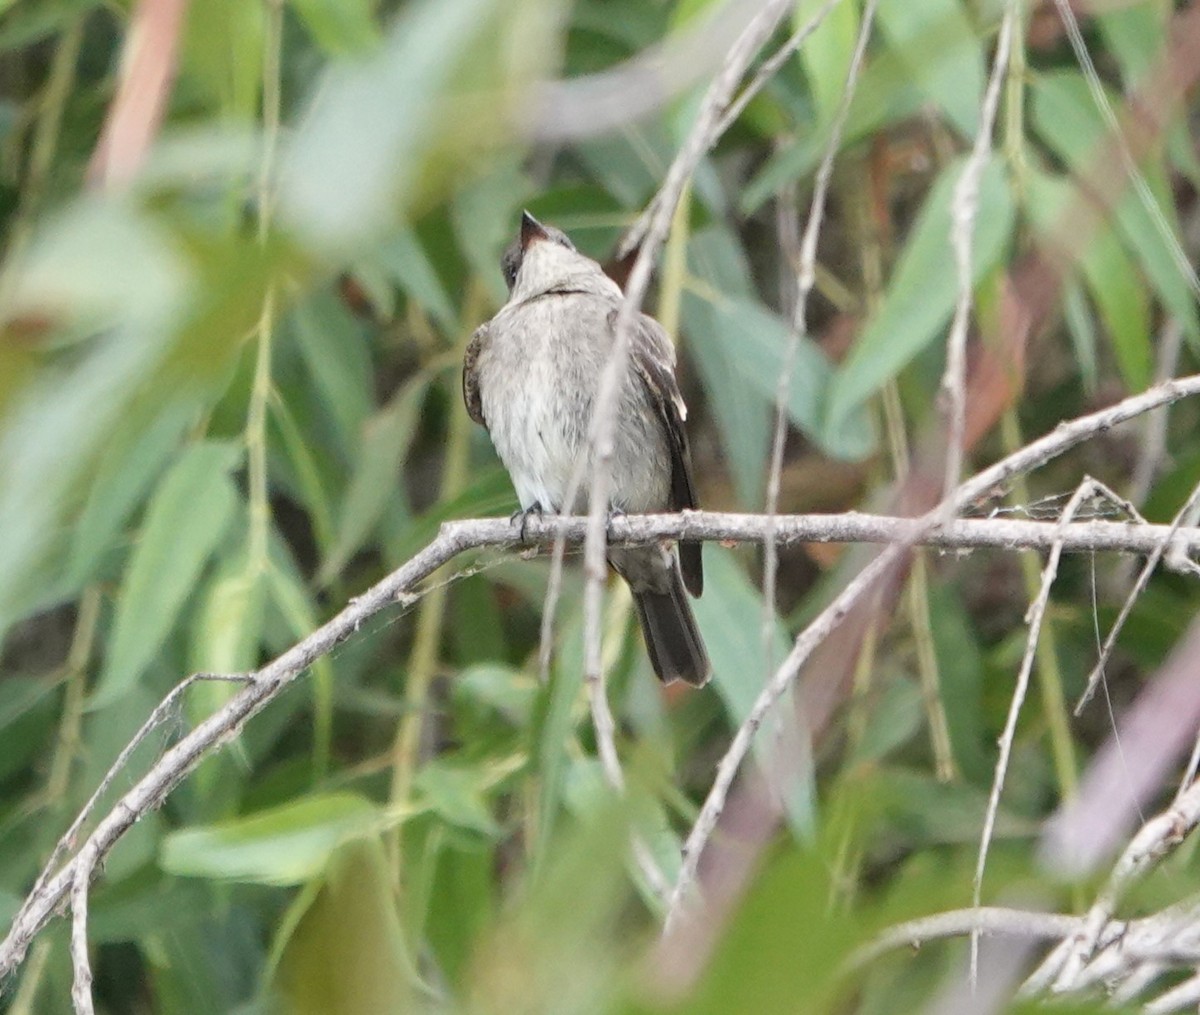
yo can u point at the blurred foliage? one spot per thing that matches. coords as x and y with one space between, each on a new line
229 401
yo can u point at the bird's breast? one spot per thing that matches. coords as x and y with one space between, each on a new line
537 381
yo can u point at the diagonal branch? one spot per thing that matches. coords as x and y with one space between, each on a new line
1063 437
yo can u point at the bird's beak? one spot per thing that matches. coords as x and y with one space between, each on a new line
531 229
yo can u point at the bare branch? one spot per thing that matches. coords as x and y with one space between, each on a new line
264 685
81 985
1157 838
960 922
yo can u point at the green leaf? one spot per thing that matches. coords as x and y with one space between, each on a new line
1113 280
1066 118
477 628
283 845
335 349
730 615
104 272
491 493
339 27
376 479
188 514
886 95
935 41
458 794
740 411
560 708
222 54
757 341
135 455
225 638
495 690
357 153
463 896
894 719
309 482
1135 36
409 266
961 680
783 947
827 53
30 22
346 953
1077 313
922 291
923 811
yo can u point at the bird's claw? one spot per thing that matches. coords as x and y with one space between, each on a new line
520 517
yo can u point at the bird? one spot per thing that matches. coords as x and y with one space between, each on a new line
530 378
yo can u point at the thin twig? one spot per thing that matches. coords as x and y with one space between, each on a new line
604 413
964 206
1131 599
1037 611
805 280
1153 450
163 712
1136 176
771 66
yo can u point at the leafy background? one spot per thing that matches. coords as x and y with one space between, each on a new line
229 401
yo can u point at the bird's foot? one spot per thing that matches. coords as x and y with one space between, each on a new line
613 514
521 517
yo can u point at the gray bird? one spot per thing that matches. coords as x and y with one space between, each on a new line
530 377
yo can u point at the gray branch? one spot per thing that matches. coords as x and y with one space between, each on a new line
53 889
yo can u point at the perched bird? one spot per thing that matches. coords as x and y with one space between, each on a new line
530 377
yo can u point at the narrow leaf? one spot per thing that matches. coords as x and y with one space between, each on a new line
922 291
188 513
284 845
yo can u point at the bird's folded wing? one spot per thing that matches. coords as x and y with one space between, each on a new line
653 359
470 375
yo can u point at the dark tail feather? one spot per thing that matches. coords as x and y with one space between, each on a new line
672 640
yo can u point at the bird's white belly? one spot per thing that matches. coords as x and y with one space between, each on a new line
531 434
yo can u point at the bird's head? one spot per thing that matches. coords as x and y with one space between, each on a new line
542 257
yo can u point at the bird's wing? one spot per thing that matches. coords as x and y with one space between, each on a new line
653 358
470 375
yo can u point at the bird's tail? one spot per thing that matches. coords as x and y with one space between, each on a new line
672 640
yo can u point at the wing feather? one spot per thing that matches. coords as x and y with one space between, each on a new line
653 358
